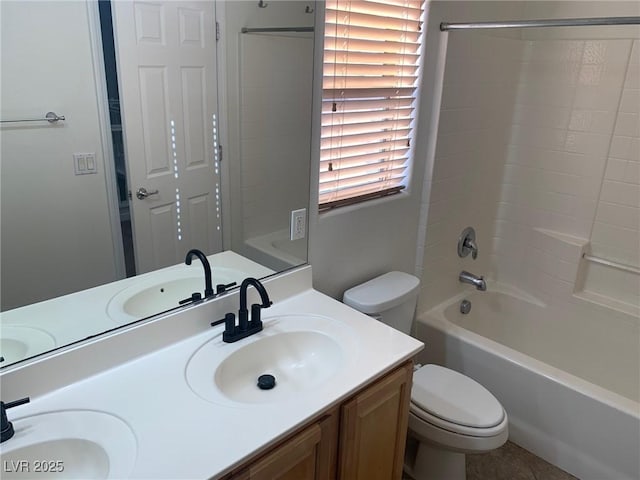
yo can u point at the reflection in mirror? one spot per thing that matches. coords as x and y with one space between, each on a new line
171 140
269 76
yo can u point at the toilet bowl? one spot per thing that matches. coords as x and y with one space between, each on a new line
450 414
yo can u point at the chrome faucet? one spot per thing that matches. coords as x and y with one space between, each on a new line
471 245
467 243
471 279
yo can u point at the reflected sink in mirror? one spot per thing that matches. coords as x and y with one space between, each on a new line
18 343
162 292
302 352
73 444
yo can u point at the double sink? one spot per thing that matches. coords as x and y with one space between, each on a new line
301 352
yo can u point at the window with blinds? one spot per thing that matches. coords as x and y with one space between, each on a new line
371 58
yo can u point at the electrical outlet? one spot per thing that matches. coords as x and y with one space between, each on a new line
298 224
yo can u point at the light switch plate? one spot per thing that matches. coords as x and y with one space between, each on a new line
84 163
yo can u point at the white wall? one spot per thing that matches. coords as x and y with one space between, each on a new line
353 244
56 235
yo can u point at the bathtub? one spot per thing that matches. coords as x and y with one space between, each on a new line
276 251
568 378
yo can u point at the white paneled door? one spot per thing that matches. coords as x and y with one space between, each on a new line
166 52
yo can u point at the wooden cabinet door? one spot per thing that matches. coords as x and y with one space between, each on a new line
308 455
373 429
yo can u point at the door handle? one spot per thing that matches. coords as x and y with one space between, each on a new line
142 193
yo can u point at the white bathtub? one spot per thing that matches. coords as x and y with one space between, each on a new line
569 380
276 251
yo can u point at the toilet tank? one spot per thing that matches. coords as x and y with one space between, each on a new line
391 298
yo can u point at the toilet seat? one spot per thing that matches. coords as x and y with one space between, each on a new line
456 428
454 402
449 439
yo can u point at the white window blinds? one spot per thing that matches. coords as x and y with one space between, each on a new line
371 59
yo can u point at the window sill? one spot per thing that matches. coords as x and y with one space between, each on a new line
372 203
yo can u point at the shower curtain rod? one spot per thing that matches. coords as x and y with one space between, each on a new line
564 22
276 29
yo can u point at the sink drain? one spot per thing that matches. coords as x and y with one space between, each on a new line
266 382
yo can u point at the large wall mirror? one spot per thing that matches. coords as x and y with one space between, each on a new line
132 132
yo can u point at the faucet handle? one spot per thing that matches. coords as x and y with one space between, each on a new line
6 427
471 244
255 314
229 322
223 287
467 243
195 297
15 403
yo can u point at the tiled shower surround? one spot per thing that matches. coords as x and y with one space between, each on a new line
538 149
616 229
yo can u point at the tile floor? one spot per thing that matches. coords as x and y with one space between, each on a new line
511 462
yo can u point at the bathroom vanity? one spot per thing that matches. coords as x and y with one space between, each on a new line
167 398
360 439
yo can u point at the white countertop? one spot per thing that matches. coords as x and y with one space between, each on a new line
181 435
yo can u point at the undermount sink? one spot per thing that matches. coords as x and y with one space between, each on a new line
162 292
18 343
302 352
70 444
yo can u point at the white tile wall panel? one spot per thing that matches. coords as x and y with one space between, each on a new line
630 101
632 172
611 283
628 125
551 143
616 169
619 215
622 193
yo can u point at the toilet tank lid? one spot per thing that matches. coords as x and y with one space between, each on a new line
382 293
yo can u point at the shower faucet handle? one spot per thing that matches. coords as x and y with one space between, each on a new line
471 244
467 243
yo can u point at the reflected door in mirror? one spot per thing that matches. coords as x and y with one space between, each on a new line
167 75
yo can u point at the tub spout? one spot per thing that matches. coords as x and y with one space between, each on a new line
471 279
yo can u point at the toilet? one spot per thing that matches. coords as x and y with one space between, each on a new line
450 414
